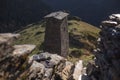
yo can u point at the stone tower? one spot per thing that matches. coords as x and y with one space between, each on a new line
56 33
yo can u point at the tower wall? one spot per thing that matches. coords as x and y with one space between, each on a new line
56 36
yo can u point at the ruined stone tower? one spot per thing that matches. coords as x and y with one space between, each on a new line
56 34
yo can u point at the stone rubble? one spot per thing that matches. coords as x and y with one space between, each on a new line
107 56
54 67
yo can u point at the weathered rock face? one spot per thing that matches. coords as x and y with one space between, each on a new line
107 62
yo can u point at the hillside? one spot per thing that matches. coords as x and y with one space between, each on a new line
82 36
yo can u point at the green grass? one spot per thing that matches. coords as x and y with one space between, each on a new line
32 35
84 33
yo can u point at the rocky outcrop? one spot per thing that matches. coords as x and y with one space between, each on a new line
16 63
107 56
48 66
13 59
6 41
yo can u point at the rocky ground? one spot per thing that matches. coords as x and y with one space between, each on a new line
16 64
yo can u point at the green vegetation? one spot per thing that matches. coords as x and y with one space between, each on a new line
34 34
83 38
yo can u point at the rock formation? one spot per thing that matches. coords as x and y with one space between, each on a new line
16 63
107 56
12 58
46 66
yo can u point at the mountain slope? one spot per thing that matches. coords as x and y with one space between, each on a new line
82 36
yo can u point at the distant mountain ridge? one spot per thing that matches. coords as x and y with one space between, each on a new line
91 11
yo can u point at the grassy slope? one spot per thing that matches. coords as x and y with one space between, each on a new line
84 34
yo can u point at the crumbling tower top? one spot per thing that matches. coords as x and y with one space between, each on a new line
57 15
